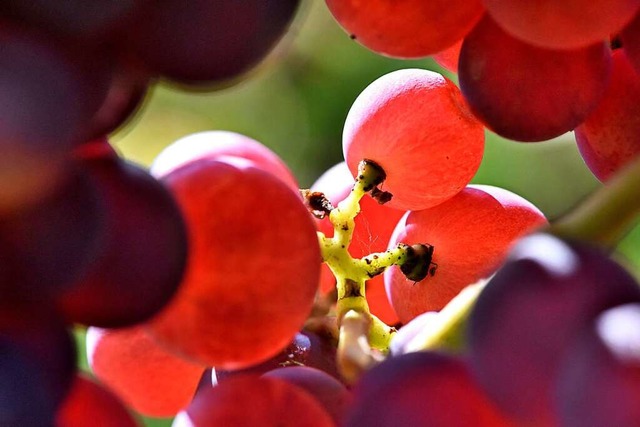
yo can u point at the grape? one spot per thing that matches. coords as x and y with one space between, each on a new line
76 19
148 377
47 96
221 143
253 266
402 340
272 403
448 58
525 318
61 230
471 234
306 349
566 24
607 139
598 380
529 93
630 37
415 125
89 403
37 360
203 42
407 29
141 252
330 392
374 225
424 388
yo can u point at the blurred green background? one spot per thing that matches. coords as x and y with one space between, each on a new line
296 102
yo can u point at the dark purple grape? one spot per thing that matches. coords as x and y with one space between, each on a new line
77 19
599 380
421 389
203 42
47 94
37 361
331 393
525 318
306 349
53 242
141 254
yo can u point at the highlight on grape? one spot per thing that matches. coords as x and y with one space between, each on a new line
210 289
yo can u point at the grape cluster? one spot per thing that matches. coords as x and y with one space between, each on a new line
530 71
213 291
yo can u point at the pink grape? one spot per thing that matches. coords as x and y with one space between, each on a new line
529 93
415 125
221 143
471 234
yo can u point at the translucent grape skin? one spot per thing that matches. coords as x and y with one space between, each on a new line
89 403
415 125
568 24
525 318
471 234
448 58
408 29
253 267
422 388
221 143
273 403
374 225
526 93
331 393
202 43
142 249
630 37
607 139
598 382
148 377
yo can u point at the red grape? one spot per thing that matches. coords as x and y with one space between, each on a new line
253 267
608 138
471 234
415 125
406 29
527 315
249 401
221 143
421 389
630 37
529 93
448 58
147 377
566 24
89 403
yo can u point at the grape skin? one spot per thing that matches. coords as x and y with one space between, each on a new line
414 124
607 139
471 234
528 93
406 29
253 268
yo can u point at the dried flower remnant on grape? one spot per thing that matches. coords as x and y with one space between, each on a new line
356 354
